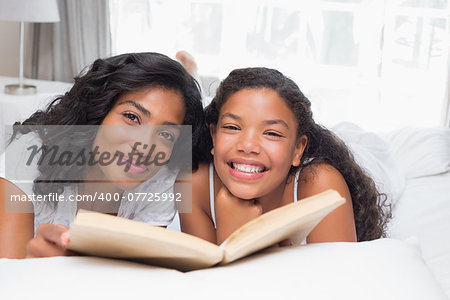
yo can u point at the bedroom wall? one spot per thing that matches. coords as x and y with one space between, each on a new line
9 48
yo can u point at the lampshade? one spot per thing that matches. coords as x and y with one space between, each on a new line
35 11
32 11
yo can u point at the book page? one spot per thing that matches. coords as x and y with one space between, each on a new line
298 218
109 236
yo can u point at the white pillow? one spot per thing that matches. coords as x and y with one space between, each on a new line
372 153
421 151
424 211
381 269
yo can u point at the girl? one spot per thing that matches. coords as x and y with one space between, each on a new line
122 93
267 152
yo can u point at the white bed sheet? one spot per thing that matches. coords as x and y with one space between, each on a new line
382 269
424 211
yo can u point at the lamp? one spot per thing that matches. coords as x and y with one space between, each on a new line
36 11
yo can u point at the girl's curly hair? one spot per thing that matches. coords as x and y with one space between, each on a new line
370 210
92 97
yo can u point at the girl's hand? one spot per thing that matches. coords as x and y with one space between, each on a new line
233 212
50 240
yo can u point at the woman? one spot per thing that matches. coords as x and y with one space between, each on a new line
124 94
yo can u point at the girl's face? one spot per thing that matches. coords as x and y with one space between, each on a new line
129 128
255 143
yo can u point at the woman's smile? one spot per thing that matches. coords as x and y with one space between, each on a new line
133 166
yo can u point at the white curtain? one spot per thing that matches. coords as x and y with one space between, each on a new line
379 63
446 114
61 50
446 105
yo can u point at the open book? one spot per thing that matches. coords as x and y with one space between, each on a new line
108 236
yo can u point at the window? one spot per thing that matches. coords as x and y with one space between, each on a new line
380 64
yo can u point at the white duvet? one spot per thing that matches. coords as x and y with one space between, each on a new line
381 269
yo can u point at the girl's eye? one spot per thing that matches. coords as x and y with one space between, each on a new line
231 127
132 117
167 135
274 134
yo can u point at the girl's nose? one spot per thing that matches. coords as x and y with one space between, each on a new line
249 143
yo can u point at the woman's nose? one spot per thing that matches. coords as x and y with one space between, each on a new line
152 142
140 135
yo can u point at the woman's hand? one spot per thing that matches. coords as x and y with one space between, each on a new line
233 212
50 240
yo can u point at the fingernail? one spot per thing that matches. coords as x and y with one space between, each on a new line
65 239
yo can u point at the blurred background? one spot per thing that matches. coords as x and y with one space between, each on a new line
383 64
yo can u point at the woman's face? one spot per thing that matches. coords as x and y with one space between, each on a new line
139 133
255 143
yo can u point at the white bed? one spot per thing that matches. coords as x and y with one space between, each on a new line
412 165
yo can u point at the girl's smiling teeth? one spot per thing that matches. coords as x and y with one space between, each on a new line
247 168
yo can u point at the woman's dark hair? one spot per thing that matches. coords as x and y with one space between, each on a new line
370 211
94 94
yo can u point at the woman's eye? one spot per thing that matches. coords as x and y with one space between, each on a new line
131 117
167 135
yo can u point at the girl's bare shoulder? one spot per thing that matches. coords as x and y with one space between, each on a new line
198 221
319 177
200 185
